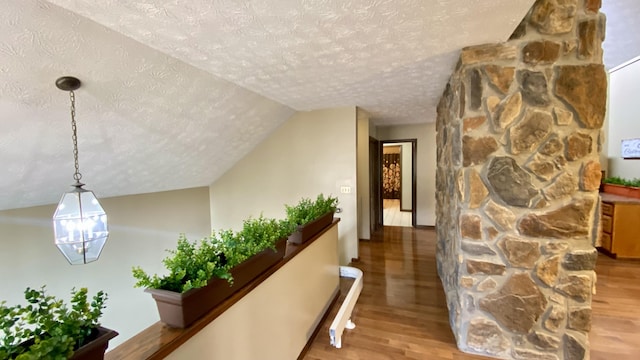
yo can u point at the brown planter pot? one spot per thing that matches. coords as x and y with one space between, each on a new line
308 230
182 309
95 349
627 191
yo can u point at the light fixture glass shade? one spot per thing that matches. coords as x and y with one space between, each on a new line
80 226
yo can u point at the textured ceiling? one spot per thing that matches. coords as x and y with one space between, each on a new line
175 92
622 40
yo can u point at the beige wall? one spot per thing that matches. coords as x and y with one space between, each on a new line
426 160
312 152
141 228
363 196
624 118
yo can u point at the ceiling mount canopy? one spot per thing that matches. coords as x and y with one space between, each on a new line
79 223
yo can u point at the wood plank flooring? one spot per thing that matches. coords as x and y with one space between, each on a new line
391 214
401 313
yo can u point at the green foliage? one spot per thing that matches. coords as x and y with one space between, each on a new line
46 328
622 181
192 264
307 210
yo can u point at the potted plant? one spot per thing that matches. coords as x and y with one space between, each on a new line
623 187
202 275
307 218
47 328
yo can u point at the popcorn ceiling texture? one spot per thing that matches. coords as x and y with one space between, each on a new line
519 132
176 92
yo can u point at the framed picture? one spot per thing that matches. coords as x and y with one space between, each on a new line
630 149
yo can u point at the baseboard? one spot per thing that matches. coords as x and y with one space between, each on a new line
426 227
403 210
355 260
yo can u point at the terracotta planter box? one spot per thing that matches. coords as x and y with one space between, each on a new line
182 309
95 349
308 230
632 192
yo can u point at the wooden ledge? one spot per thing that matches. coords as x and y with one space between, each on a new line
158 340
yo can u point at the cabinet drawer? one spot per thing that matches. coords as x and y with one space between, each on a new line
606 241
607 224
607 209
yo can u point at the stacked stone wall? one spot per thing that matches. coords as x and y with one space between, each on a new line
518 133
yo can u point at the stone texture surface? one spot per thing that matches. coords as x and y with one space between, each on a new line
573 348
579 319
584 87
500 77
527 354
590 176
517 305
568 221
580 259
577 287
470 124
543 341
530 132
476 248
477 190
533 85
517 180
587 42
519 252
485 267
541 167
475 89
547 270
550 17
541 52
563 117
500 215
471 226
563 185
552 147
579 145
490 52
476 150
554 319
507 111
486 336
510 182
487 284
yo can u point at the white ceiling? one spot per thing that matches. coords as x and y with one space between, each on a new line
175 92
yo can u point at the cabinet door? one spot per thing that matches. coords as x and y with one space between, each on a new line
626 232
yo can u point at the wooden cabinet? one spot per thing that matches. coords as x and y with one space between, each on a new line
620 227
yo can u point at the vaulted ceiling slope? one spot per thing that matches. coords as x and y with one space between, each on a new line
176 92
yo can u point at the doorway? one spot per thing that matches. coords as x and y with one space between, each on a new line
397 182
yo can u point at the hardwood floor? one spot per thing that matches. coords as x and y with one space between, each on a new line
401 313
391 214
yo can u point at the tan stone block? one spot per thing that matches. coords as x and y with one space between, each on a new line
492 105
507 111
485 267
563 185
577 287
488 53
473 123
500 77
530 132
590 176
587 39
566 222
549 17
547 270
584 87
471 226
541 52
563 117
578 146
500 215
467 281
519 252
554 319
579 319
487 284
486 336
476 150
477 190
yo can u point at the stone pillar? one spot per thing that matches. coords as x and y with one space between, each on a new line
518 134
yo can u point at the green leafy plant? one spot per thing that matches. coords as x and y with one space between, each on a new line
191 265
308 210
622 181
46 328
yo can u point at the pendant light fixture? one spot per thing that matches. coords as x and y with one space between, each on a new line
79 223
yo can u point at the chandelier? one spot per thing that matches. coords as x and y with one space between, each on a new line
79 223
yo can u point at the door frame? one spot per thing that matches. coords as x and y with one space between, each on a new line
414 168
